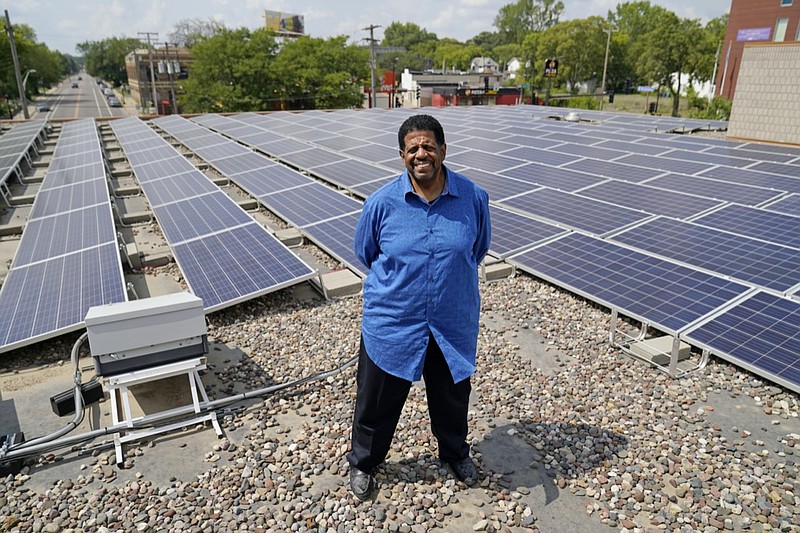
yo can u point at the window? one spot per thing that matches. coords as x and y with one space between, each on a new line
780 29
786 2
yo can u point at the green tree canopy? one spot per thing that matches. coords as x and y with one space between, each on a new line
579 45
49 65
106 59
515 21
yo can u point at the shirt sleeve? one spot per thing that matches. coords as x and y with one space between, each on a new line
481 246
365 241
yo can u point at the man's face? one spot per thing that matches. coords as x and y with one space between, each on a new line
422 156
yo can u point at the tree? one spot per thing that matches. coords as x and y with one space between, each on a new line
667 52
408 35
106 59
455 54
579 45
232 71
48 64
189 32
515 21
316 73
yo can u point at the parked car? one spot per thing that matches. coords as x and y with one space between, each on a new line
74 84
113 101
108 92
42 106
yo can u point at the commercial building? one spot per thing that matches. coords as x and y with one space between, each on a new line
154 76
754 21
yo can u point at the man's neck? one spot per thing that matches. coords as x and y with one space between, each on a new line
431 190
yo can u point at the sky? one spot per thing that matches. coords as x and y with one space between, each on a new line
61 24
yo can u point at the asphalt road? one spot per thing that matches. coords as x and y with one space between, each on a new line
85 101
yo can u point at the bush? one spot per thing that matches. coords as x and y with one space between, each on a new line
577 102
719 108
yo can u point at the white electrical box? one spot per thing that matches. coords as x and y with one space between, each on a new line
144 333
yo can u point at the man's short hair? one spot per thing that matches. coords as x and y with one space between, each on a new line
420 123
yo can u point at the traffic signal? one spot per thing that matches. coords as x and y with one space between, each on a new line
486 83
418 93
611 97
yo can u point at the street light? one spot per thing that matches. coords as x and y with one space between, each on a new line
24 98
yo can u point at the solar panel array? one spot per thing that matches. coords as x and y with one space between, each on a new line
681 232
15 146
296 198
67 260
225 256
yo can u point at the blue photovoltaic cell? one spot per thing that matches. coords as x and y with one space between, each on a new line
533 142
55 200
778 168
335 236
603 154
484 145
484 161
339 143
753 222
282 147
238 264
555 178
65 232
761 334
512 232
710 188
270 179
618 171
535 155
751 177
231 166
650 199
178 187
53 296
148 171
665 294
373 153
312 157
633 148
351 172
704 157
199 216
790 205
499 187
310 203
663 163
153 156
751 154
365 189
575 211
750 260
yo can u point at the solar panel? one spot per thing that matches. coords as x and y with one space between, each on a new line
499 187
550 156
237 265
574 211
664 164
215 224
758 223
664 294
650 199
750 260
485 145
484 161
555 178
179 187
595 152
619 171
630 147
789 205
710 188
781 169
335 236
312 157
751 154
751 177
351 172
761 334
365 189
310 203
512 232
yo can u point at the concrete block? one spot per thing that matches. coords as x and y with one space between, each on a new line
659 349
341 283
498 271
290 236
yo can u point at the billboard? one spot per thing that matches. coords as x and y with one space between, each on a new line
285 23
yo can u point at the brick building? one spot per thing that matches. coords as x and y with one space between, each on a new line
754 21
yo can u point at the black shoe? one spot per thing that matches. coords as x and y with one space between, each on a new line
465 471
361 483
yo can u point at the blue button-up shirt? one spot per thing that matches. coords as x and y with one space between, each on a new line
423 274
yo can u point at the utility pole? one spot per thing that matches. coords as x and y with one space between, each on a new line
153 34
169 76
371 29
10 31
605 67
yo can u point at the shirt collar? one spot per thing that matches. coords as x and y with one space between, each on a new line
450 186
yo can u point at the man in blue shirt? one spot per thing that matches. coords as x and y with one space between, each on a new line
422 236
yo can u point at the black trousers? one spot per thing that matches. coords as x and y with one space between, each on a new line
379 402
